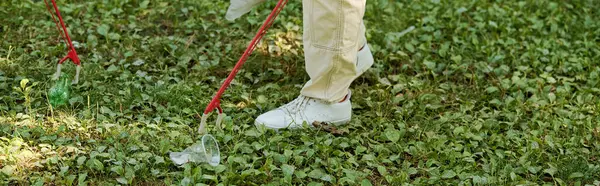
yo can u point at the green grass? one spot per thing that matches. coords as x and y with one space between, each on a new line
480 93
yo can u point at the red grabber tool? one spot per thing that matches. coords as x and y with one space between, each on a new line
215 103
207 150
72 54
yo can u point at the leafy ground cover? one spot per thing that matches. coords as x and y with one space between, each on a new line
479 93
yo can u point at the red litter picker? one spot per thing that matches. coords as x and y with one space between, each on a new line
208 150
72 54
59 92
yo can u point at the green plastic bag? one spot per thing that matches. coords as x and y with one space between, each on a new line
59 92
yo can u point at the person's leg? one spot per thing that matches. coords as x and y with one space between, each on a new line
333 34
336 53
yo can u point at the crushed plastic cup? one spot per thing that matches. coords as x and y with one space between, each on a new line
205 151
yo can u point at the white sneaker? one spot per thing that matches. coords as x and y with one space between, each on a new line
364 59
308 110
304 109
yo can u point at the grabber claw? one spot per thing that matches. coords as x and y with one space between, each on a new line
220 116
72 55
57 74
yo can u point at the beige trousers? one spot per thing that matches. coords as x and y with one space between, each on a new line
333 34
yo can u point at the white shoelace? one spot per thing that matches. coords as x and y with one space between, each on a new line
298 104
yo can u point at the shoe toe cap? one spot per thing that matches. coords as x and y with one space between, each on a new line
273 119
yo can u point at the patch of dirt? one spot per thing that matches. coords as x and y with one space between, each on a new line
329 128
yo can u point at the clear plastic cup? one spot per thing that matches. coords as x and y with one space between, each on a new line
206 151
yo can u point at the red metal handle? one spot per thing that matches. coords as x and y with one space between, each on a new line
214 103
72 55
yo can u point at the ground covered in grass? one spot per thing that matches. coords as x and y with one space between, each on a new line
479 93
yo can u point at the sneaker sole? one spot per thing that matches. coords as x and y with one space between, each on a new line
340 122
336 123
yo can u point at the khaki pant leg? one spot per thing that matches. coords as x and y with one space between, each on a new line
333 34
